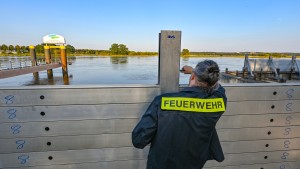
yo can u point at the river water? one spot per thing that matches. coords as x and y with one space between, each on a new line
112 70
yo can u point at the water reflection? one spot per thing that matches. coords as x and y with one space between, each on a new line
119 63
118 60
60 80
86 70
185 59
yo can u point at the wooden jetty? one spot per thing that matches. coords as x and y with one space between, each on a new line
34 67
26 70
70 127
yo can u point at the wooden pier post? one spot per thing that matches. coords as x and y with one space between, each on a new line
32 55
169 60
64 64
33 60
48 61
63 56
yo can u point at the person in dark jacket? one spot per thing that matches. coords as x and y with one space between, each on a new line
181 126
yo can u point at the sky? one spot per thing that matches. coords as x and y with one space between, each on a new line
206 25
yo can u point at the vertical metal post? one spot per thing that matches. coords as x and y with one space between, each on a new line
48 61
64 64
295 64
169 60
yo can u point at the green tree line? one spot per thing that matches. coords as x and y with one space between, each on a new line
17 49
242 54
115 49
121 49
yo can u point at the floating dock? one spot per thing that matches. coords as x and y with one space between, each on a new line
267 70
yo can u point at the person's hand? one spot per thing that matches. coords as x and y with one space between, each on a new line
187 69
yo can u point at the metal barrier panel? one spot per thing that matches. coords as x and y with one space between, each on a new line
264 64
259 64
90 127
283 65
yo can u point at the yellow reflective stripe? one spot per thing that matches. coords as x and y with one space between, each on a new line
210 105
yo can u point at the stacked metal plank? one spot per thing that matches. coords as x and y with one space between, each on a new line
260 128
71 127
90 127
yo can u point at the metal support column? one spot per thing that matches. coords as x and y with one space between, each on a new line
169 60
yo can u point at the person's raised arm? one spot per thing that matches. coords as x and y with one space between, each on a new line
187 69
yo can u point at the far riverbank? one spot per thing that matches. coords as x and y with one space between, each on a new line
267 55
